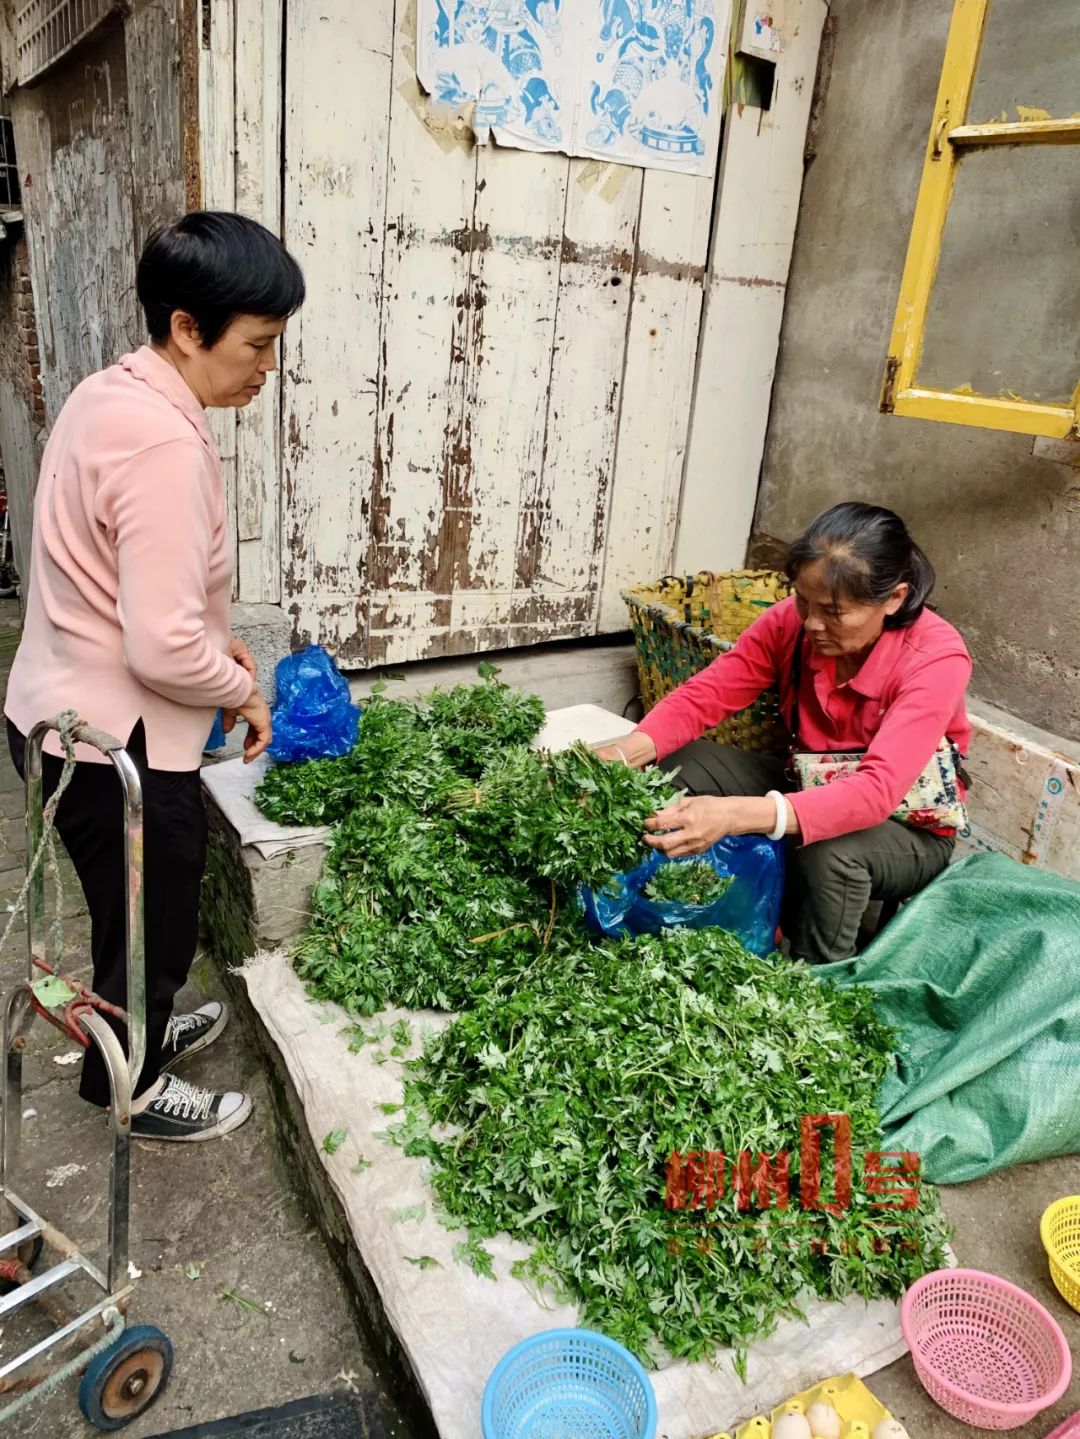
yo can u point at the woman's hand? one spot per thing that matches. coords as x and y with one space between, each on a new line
260 732
693 824
635 749
239 651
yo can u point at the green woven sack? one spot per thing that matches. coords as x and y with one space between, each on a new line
980 975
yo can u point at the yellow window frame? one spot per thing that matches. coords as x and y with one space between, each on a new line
950 137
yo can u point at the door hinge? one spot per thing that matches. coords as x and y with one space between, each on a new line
888 389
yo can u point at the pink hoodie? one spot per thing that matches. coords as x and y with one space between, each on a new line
127 614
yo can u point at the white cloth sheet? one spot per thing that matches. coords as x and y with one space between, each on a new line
232 786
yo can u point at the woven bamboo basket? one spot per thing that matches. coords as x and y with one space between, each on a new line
681 623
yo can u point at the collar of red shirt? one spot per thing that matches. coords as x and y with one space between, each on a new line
154 370
874 671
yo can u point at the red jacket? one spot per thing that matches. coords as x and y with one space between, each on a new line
909 693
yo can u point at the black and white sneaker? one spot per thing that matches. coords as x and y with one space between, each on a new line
184 1111
186 1034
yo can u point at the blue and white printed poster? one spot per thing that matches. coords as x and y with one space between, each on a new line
635 82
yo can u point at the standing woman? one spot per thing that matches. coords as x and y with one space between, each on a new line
862 667
127 622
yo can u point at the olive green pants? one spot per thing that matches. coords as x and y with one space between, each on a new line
831 884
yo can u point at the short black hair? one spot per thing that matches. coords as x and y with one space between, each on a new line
216 265
867 552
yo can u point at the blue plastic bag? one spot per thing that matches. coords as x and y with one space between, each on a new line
749 907
216 740
314 717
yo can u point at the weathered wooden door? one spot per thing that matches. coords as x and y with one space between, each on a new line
487 396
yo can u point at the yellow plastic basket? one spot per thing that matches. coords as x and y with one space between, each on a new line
1059 1230
681 623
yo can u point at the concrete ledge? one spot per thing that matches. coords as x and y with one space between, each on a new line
250 903
328 1215
603 674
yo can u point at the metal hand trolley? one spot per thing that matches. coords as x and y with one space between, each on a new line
125 1368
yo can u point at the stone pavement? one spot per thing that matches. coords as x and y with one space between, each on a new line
233 1268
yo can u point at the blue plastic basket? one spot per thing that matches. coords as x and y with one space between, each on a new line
569 1384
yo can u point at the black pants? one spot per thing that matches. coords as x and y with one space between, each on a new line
90 822
831 884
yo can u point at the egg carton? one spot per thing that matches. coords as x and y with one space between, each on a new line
860 1413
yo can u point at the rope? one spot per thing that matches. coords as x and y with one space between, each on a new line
66 725
115 1321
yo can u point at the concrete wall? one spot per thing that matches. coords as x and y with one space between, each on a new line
99 141
1002 527
22 408
100 147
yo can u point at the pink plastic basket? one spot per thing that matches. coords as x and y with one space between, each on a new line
1069 1430
983 1349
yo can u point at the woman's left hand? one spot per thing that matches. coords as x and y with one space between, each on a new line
692 825
239 651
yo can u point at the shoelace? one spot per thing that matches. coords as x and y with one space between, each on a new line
180 1024
188 1101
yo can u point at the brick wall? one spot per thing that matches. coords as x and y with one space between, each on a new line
27 356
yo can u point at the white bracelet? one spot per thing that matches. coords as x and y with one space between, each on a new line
622 754
781 815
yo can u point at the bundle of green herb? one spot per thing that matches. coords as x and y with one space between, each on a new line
567 816
567 1098
429 910
475 723
454 888
320 791
408 914
691 881
406 751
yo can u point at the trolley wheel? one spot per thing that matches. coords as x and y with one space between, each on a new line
28 1255
119 1384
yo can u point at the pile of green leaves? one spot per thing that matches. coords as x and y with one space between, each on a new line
557 1108
475 722
406 751
406 914
687 882
392 757
316 793
458 849
567 817
548 1108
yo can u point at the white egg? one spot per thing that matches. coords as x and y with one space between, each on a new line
890 1429
823 1420
791 1426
